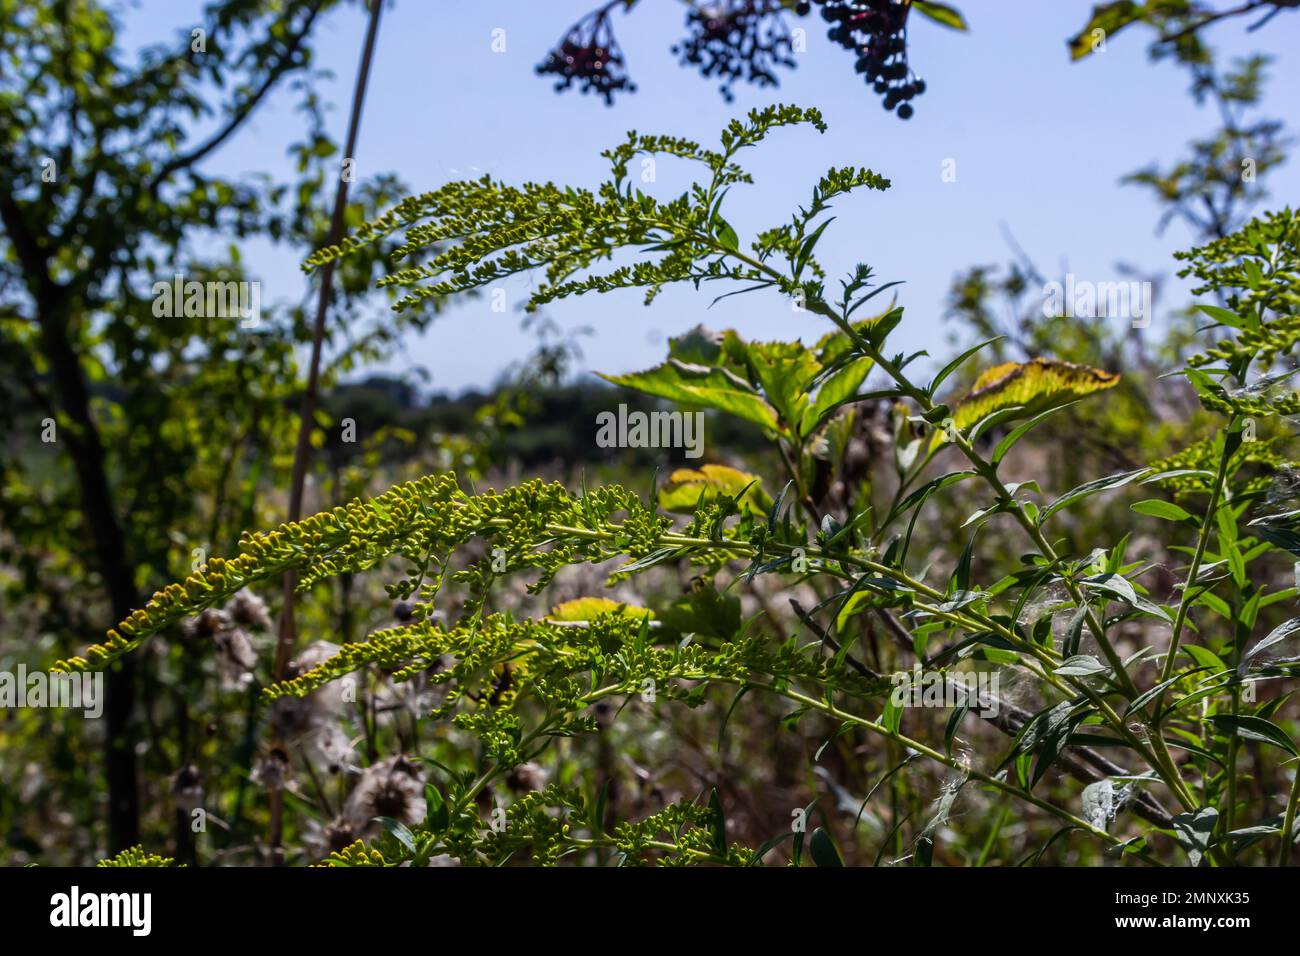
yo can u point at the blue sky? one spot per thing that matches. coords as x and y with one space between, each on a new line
1039 143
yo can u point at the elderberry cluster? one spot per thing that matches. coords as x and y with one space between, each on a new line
877 31
737 40
589 54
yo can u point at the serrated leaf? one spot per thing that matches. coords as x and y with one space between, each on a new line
707 387
1028 388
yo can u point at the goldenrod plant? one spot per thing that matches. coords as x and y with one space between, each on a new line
1160 709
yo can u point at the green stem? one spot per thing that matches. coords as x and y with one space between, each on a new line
1288 823
952 763
1202 542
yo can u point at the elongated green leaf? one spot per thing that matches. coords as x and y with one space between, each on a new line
1230 318
1157 508
1141 700
1257 729
717 823
1278 634
400 831
957 363
1081 665
1019 432
1091 488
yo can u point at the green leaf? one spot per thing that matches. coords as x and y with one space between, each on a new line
437 816
400 831
1032 860
1081 665
957 363
823 851
1121 589
1204 657
1116 585
1109 18
1091 488
1046 732
1143 699
1074 631
785 371
1257 729
877 330
717 823
891 718
1157 508
1195 831
1019 432
703 610
1279 633
707 387
725 235
1229 318
838 389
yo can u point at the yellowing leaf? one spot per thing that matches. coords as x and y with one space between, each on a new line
941 13
686 486
1033 387
587 608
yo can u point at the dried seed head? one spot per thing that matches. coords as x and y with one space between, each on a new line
248 610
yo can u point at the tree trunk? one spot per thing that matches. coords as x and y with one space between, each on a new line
117 570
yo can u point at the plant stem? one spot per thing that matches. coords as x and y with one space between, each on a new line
307 415
1288 823
1202 542
954 764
